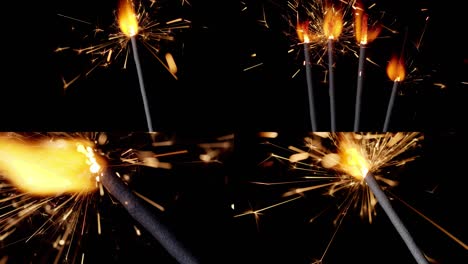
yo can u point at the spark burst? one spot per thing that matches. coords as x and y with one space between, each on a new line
328 163
63 216
109 45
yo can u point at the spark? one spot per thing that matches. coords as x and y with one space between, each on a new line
112 45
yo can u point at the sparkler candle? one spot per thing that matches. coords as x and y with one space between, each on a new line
303 33
396 72
332 27
363 36
128 23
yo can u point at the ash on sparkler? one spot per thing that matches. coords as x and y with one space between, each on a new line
52 180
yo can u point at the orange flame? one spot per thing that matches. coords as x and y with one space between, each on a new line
332 23
49 167
363 34
303 31
396 69
128 21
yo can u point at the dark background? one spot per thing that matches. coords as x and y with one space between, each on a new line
214 96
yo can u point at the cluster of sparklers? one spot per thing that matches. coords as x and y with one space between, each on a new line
349 165
55 179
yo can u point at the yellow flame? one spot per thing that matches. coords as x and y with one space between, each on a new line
302 31
396 69
352 160
49 167
332 23
128 21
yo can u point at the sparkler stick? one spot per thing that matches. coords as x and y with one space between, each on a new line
363 36
146 218
129 26
396 221
391 102
304 36
396 72
331 82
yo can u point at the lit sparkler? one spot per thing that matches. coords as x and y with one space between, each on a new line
56 178
112 45
340 164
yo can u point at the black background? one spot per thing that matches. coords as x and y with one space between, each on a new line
214 96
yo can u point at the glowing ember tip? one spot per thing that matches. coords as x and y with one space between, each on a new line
50 167
353 161
128 21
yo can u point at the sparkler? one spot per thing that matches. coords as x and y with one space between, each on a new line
133 24
129 25
57 175
345 165
332 27
396 72
303 33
